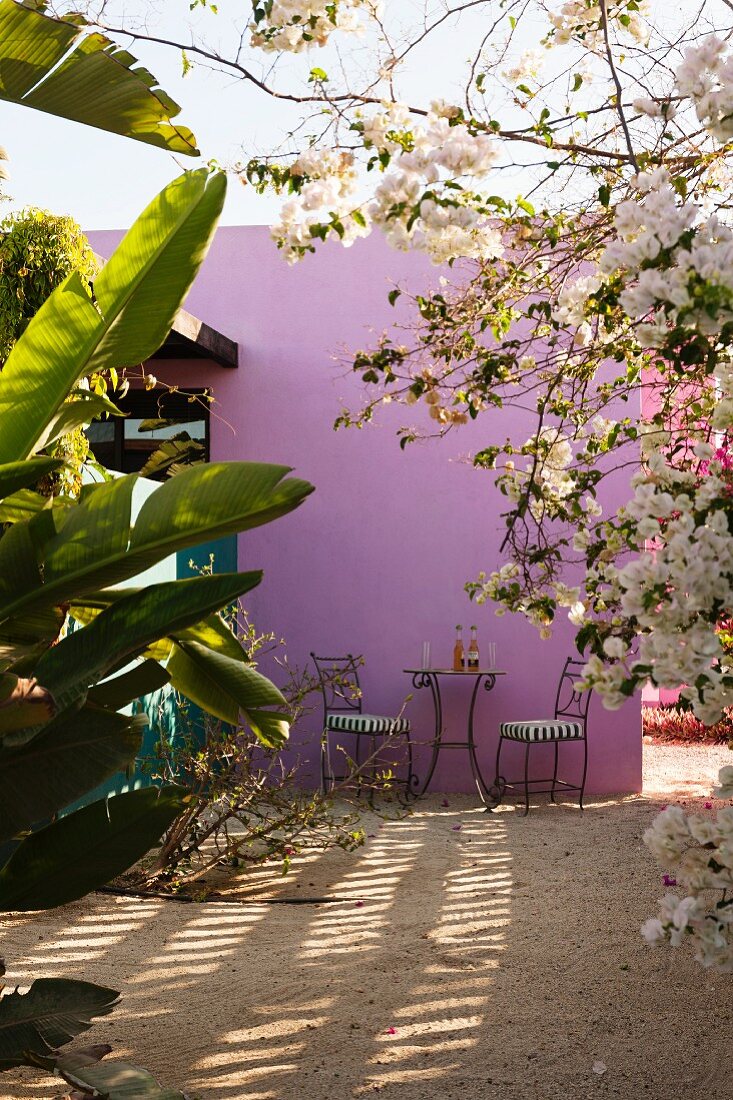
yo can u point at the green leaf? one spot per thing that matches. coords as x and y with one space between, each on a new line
526 206
171 452
22 505
76 414
577 82
53 1012
129 626
113 1080
54 66
269 727
140 289
74 855
211 632
72 756
143 679
201 503
18 475
224 687
137 295
604 194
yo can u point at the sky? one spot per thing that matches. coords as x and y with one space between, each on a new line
104 180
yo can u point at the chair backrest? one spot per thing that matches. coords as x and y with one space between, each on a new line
571 702
339 680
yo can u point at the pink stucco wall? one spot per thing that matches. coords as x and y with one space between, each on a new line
375 560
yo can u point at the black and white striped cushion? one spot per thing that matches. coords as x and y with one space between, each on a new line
367 723
544 729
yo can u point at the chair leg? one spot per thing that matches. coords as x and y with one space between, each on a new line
554 774
526 780
496 791
585 771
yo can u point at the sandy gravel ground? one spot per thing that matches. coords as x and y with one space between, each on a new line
458 955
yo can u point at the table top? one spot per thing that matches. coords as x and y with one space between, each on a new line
459 671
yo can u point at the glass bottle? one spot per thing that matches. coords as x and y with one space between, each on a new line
472 660
458 657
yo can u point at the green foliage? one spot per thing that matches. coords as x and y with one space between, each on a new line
51 1013
99 842
60 733
38 251
116 1080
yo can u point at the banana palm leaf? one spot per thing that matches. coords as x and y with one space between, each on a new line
143 679
137 295
54 66
224 687
78 853
73 755
113 1080
128 627
50 1014
19 475
93 546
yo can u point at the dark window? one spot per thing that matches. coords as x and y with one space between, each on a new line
127 443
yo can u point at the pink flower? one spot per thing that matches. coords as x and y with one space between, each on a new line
708 805
668 880
391 1031
358 904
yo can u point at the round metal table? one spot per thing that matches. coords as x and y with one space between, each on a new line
430 678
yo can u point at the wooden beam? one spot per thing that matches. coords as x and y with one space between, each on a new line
209 343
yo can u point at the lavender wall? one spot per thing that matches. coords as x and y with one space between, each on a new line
376 559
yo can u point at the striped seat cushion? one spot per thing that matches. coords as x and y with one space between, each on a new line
367 723
543 729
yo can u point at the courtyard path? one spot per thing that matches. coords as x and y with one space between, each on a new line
458 955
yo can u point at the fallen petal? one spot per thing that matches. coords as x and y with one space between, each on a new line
599 1068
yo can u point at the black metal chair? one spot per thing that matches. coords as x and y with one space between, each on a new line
342 713
569 724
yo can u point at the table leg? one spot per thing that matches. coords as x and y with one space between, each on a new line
427 679
488 683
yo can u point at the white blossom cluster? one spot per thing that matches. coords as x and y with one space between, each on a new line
550 456
698 850
676 268
582 18
411 204
328 190
706 77
673 589
296 25
527 67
